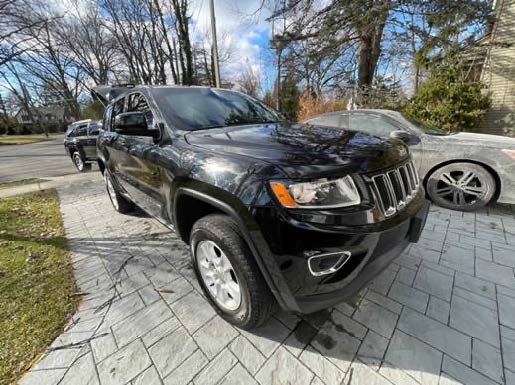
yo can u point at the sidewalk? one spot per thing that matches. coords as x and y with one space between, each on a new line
51 182
443 313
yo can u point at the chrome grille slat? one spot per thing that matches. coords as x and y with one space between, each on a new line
395 188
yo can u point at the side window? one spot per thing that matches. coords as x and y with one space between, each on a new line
138 103
372 124
118 108
106 122
82 130
333 120
93 129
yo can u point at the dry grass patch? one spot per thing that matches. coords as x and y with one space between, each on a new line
36 282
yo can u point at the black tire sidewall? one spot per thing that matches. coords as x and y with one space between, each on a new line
486 176
240 315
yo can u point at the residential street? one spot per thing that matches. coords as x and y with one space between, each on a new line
36 160
443 313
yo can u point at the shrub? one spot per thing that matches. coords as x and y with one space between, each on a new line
448 100
311 105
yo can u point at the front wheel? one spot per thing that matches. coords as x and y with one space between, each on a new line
120 203
461 186
227 272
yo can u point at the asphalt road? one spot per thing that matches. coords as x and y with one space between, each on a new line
35 160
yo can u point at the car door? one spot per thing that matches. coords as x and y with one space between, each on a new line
90 142
135 170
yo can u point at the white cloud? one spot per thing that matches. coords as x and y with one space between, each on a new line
240 28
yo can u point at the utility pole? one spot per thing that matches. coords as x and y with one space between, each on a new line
214 47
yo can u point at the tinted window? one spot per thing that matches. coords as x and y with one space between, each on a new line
94 128
138 103
82 130
117 109
202 108
333 120
372 124
424 126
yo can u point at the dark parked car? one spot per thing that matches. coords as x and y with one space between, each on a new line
80 143
272 211
460 171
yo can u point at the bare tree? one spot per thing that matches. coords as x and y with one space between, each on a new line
249 82
14 83
15 20
90 44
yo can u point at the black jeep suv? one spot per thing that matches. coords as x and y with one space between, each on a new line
80 143
273 211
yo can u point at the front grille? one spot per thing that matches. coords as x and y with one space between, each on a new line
394 189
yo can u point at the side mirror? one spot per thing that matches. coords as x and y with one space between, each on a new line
406 137
133 123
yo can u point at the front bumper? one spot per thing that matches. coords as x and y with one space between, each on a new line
371 252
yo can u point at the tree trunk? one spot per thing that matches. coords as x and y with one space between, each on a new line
370 48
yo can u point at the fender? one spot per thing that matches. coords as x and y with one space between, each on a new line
257 245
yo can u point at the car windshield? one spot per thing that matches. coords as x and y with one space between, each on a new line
425 127
203 108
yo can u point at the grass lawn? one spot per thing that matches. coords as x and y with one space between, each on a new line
22 182
36 283
23 139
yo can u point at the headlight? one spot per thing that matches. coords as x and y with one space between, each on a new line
319 194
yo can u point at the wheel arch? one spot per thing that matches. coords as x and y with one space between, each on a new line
80 150
183 229
190 205
490 169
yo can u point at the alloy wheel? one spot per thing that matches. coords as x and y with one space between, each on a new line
461 187
218 275
78 161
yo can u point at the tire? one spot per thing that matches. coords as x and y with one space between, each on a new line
461 186
218 231
79 162
120 203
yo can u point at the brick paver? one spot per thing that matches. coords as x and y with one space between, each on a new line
442 313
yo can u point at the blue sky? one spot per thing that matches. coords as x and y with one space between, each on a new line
246 36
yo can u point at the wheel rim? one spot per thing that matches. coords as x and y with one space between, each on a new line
218 275
78 162
461 187
110 191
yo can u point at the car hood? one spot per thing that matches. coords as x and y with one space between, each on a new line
470 138
304 150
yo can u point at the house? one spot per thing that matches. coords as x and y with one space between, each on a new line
496 53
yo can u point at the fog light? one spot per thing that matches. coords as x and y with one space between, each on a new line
328 263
